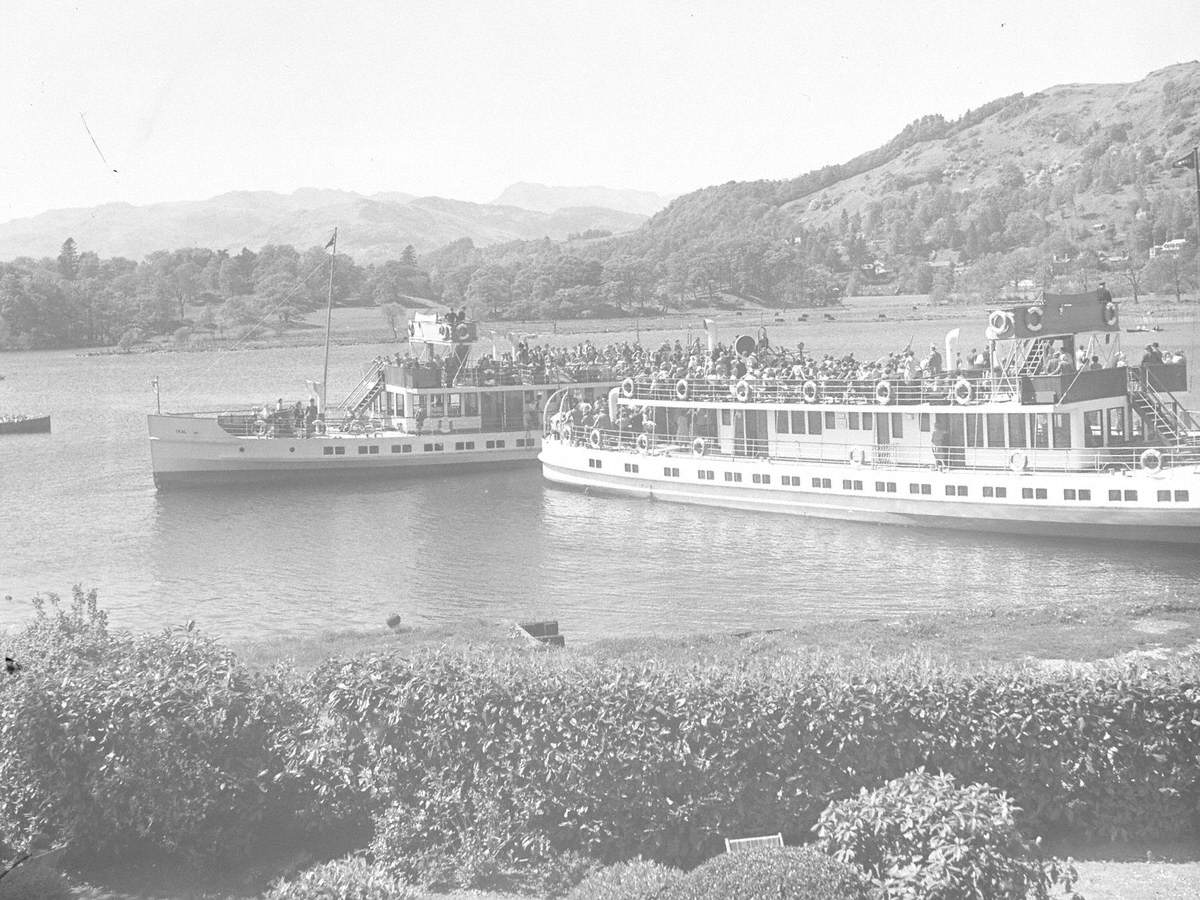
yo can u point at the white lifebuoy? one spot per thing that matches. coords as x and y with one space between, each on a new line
998 320
643 442
595 438
1151 460
681 389
858 457
1018 461
462 333
883 392
1110 313
699 448
319 427
1034 317
260 428
444 332
742 392
809 391
964 391
627 387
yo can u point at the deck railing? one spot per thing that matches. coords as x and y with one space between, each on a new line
868 456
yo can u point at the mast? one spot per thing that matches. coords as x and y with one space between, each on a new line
328 320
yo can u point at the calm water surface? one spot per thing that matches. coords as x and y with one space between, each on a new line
78 506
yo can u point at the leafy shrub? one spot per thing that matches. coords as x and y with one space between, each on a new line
128 744
637 879
31 881
349 878
921 836
790 873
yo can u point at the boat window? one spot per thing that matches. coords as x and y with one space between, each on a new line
454 406
1114 495
470 404
989 491
914 488
1131 495
1085 494
631 467
437 405
514 410
923 421
595 463
328 451
868 421
1026 493
1093 428
670 471
733 476
783 422
995 429
798 421
1001 492
1181 496
897 425
1116 425
830 421
1040 426
1062 430
814 423
339 451
974 430
362 450
1016 430
1164 496
1069 493
853 423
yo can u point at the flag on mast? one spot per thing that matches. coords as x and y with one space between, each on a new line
1186 162
332 240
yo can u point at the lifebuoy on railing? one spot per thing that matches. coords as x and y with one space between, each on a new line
742 392
595 438
260 428
1018 461
681 389
1151 460
883 392
643 442
964 391
1034 318
1110 313
858 456
809 391
462 332
444 332
699 448
627 387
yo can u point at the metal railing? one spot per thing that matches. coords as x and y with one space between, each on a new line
425 375
870 455
961 390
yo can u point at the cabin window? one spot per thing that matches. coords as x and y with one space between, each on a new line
328 451
1116 425
1040 426
1181 496
437 405
816 482
499 445
725 418
1001 492
995 429
670 471
914 488
339 451
733 476
762 479
1114 495
454 405
853 423
974 429
923 421
830 421
1062 431
595 463
1016 430
1093 428
1068 493
798 421
897 425
814 423
783 423
1026 493
1164 496
989 491
868 421
1085 494
1131 495
631 467
470 405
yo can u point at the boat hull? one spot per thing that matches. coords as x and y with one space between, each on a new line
38 425
1178 524
197 452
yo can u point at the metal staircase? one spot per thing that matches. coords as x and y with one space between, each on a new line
1161 411
1032 363
368 389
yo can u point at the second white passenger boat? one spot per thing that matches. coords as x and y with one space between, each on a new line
1104 452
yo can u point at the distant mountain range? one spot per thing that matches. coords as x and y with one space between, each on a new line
373 229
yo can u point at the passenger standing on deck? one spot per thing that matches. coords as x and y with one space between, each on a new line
310 416
935 362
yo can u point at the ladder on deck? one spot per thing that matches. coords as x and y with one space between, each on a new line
1170 421
368 389
1032 364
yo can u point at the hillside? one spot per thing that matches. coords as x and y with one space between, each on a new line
374 229
548 198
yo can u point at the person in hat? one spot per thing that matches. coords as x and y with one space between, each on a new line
934 365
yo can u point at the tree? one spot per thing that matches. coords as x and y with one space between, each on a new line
1132 272
393 313
68 260
408 256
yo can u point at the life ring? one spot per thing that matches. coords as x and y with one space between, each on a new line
699 448
1110 313
998 320
595 438
964 391
260 428
444 332
1151 460
858 457
318 427
462 333
883 392
627 387
742 392
681 389
809 391
643 443
1018 461
1034 317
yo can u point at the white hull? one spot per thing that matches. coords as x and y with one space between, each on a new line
1144 519
195 450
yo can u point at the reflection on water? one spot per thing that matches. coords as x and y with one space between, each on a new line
79 506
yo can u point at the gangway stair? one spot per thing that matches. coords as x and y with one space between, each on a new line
367 390
1161 411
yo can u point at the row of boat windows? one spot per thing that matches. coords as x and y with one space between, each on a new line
1008 430
373 449
917 488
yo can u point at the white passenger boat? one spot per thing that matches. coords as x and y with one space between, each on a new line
441 410
1017 446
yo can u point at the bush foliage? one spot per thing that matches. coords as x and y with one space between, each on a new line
349 878
638 879
792 873
922 836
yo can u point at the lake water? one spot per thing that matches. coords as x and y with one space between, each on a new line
78 507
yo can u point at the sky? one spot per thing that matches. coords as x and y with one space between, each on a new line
142 102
